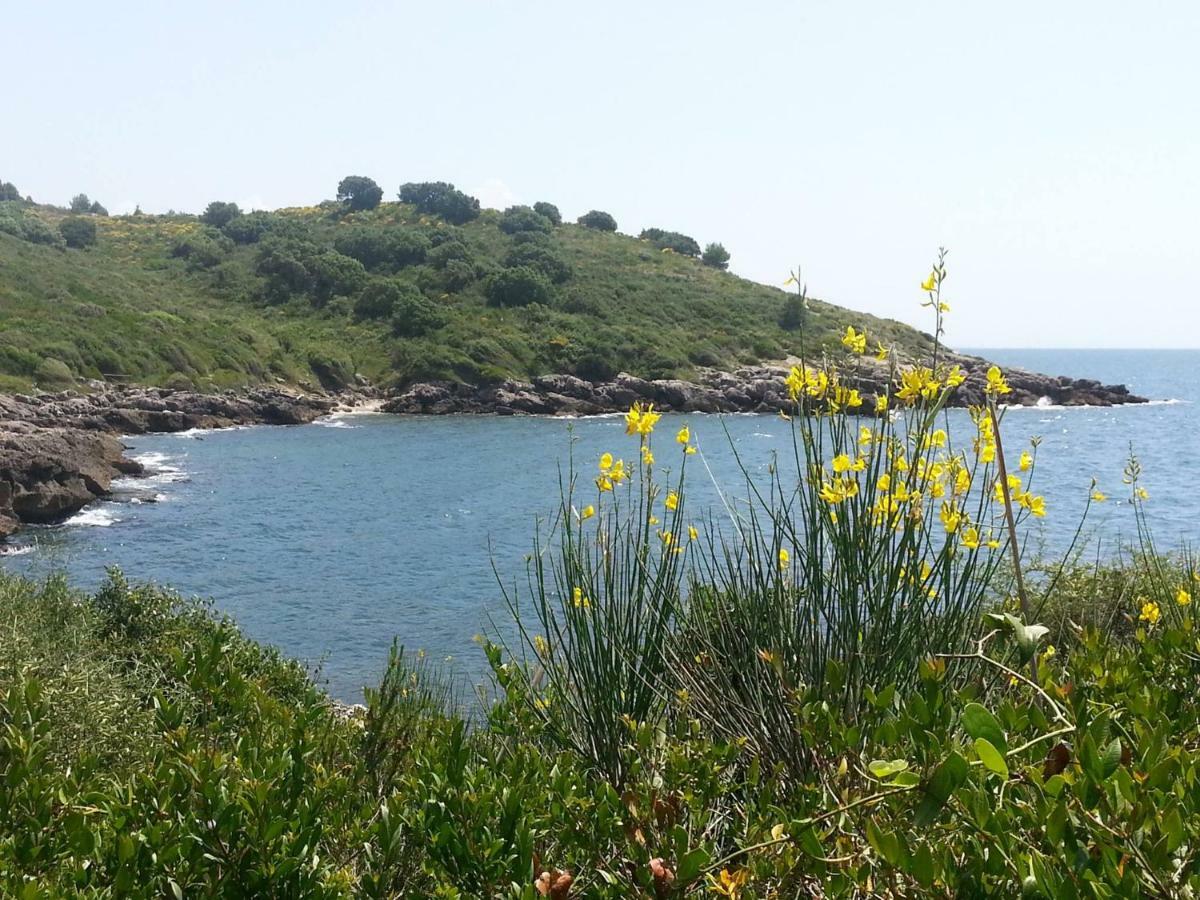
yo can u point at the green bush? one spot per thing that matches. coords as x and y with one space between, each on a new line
414 314
671 240
440 199
53 374
8 191
81 204
523 218
358 192
250 228
548 211
218 213
716 256
518 286
78 232
541 258
600 221
332 274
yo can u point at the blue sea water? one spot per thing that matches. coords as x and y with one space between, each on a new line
329 539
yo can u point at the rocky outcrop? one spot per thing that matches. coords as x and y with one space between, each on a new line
47 474
145 410
748 389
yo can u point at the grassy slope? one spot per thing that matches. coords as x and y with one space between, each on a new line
126 307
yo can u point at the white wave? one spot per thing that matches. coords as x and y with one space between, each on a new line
196 433
17 550
95 516
1044 404
335 421
160 469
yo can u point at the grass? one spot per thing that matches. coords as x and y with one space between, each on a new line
127 307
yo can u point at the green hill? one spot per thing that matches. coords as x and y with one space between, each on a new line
393 293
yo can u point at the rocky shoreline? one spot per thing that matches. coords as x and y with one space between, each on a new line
59 452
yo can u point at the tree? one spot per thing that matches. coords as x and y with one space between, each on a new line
523 218
333 274
81 203
97 210
440 198
78 232
441 255
600 221
378 299
716 255
549 210
518 286
218 214
671 240
792 316
541 258
415 314
250 228
359 192
8 191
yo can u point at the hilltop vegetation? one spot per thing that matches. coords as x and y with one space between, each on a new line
427 287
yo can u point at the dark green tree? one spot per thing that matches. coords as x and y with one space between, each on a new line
716 255
218 213
8 191
549 210
600 221
671 240
440 198
792 316
542 258
332 274
81 203
359 192
518 286
523 218
97 210
78 232
378 299
414 314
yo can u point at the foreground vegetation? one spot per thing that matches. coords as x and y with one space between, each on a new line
850 688
429 286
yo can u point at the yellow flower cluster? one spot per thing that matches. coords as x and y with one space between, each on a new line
822 385
640 420
854 341
612 472
996 385
1150 613
1023 498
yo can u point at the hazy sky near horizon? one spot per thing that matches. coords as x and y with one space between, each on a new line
1053 147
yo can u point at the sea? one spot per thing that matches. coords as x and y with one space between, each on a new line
332 539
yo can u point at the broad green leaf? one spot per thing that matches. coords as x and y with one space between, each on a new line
991 757
1110 759
978 722
946 779
883 768
889 845
691 863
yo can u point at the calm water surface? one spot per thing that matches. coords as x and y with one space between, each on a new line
329 539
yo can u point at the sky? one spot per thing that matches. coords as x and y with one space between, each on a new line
1052 147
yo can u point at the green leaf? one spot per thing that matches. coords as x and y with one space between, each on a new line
1110 759
946 779
882 768
887 844
691 863
991 757
978 722
922 866
1172 827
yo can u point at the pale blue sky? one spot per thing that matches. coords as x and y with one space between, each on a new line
1054 147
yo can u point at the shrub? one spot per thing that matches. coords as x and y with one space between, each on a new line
671 240
518 286
8 191
53 373
457 275
378 299
358 192
600 221
333 274
522 218
202 250
716 256
249 228
81 203
375 248
281 262
543 259
792 316
454 250
414 314
78 232
97 210
218 213
38 232
548 211
440 198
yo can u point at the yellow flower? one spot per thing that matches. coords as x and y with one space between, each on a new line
672 501
692 533
647 456
729 884
1150 611
1183 597
606 462
841 463
683 435
951 517
1048 653
540 645
641 420
666 537
881 403
581 599
1026 461
881 352
618 473
785 558
1142 494
996 385
588 512
884 484
1099 496
970 538
855 341
690 450
604 483
955 377
930 283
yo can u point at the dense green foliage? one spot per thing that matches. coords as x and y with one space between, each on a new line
78 232
716 255
359 192
671 240
231 298
599 220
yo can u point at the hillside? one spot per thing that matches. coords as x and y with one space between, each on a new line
392 293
